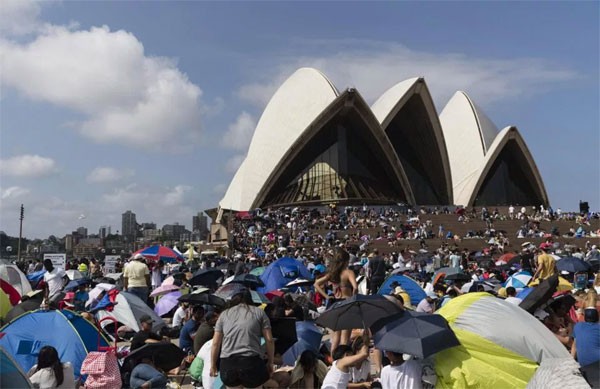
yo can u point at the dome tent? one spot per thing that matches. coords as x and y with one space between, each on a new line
23 339
502 345
281 272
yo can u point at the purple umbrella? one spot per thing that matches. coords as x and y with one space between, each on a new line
167 303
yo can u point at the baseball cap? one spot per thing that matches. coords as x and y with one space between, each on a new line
432 295
146 319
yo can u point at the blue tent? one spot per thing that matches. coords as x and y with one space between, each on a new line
309 338
282 271
69 333
11 375
411 287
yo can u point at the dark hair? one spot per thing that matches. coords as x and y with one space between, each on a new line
339 264
48 357
511 291
243 297
591 315
48 264
341 351
308 360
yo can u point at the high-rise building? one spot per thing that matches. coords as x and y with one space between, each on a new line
200 223
104 232
173 231
82 232
129 225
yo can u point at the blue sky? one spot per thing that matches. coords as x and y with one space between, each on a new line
150 106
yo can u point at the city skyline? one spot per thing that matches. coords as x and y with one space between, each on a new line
151 108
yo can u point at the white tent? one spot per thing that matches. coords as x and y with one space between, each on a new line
189 252
177 250
128 310
14 276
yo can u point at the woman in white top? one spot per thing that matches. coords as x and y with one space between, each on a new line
400 374
50 373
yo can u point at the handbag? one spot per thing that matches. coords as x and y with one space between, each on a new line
102 370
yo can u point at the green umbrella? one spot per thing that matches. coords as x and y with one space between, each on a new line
258 271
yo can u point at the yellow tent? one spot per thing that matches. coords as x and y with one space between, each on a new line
502 345
5 305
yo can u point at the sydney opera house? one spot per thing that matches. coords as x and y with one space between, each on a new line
314 145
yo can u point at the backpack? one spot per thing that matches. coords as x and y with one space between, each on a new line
102 369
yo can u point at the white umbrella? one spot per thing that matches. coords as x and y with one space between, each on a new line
74 274
228 280
299 282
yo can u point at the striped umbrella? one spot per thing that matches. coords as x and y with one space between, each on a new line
518 280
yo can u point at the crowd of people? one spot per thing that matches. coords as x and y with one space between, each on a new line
234 344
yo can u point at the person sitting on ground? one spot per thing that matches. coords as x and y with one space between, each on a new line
586 339
146 376
309 371
206 330
145 335
339 374
511 292
186 336
428 303
401 374
49 372
360 373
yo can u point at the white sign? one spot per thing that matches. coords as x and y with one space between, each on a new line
110 262
58 260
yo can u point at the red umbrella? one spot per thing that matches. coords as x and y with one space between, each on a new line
270 295
11 292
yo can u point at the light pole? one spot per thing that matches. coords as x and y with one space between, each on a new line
20 234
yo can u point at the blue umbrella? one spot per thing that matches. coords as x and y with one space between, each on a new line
524 293
572 265
72 285
518 280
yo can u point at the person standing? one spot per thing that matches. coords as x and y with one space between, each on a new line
157 274
546 265
55 280
343 283
236 344
376 271
136 277
400 374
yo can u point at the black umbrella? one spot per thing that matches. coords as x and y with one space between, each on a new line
414 333
226 292
540 294
206 277
249 280
458 277
572 265
284 333
202 299
31 304
166 356
594 265
358 311
514 260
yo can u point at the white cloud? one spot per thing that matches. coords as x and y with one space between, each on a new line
233 163
377 66
239 134
18 17
14 192
27 166
125 96
104 174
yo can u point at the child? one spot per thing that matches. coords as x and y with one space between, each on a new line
339 375
81 297
400 374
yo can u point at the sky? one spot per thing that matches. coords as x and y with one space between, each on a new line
150 106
